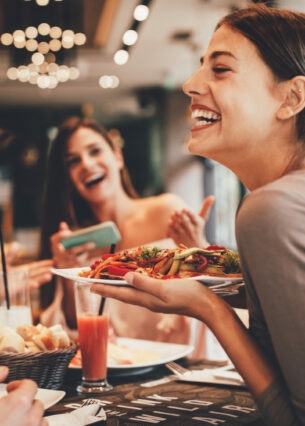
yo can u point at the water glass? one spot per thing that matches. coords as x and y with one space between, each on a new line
19 312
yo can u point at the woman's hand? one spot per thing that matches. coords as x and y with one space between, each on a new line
73 257
179 296
39 272
188 228
19 406
11 252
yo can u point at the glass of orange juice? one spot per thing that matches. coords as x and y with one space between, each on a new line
93 325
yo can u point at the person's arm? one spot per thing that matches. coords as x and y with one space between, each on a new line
19 406
193 299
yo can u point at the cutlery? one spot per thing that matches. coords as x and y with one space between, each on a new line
99 409
225 374
87 414
235 284
177 369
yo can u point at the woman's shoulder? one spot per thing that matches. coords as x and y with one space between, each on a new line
287 190
278 204
165 201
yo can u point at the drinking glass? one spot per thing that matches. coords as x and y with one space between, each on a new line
93 339
19 311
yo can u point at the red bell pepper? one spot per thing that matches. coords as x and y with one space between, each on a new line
215 247
203 263
118 271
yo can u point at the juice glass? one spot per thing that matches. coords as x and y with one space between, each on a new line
19 310
93 339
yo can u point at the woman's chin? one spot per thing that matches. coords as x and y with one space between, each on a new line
196 146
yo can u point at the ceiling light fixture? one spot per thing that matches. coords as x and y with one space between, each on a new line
130 36
39 44
43 2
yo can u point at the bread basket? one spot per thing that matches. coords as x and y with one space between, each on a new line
46 368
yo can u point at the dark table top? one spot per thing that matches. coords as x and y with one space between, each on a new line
153 397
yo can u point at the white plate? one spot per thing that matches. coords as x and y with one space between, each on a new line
48 397
72 274
167 351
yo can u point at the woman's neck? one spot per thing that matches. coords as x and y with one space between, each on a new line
256 169
117 209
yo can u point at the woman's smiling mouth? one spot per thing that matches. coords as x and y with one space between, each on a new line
204 117
93 180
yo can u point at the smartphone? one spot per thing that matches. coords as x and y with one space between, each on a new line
102 235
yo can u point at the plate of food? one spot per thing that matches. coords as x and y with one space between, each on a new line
133 356
211 265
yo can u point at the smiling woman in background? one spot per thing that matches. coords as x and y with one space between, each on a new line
87 183
248 102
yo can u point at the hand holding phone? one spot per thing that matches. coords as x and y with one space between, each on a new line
103 235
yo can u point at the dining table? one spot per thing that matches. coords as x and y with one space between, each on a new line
155 396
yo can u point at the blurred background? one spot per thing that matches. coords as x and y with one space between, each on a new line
122 62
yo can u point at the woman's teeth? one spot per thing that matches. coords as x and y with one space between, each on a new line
203 117
93 181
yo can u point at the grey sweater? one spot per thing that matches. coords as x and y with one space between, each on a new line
270 234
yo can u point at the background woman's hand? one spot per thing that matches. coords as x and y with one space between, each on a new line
39 271
75 256
188 228
19 406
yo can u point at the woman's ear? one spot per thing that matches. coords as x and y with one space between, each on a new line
294 100
119 158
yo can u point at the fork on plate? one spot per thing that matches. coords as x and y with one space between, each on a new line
176 368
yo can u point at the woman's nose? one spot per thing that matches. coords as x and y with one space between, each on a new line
195 84
86 161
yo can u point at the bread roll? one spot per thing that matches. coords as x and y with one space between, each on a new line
11 341
31 338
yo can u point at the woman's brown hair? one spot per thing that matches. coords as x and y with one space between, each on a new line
279 36
61 202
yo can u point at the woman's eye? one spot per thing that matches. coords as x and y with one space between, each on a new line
95 151
71 162
219 70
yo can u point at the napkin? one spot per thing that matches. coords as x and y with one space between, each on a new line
80 417
222 375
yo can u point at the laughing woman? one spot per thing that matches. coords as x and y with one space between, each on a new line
248 100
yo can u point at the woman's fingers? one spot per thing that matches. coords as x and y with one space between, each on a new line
3 372
169 296
20 407
206 207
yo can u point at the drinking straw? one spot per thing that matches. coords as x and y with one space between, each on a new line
101 309
4 272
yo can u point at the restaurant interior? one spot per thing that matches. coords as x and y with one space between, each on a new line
99 58
138 93
140 97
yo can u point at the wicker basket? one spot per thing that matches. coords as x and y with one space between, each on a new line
47 368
